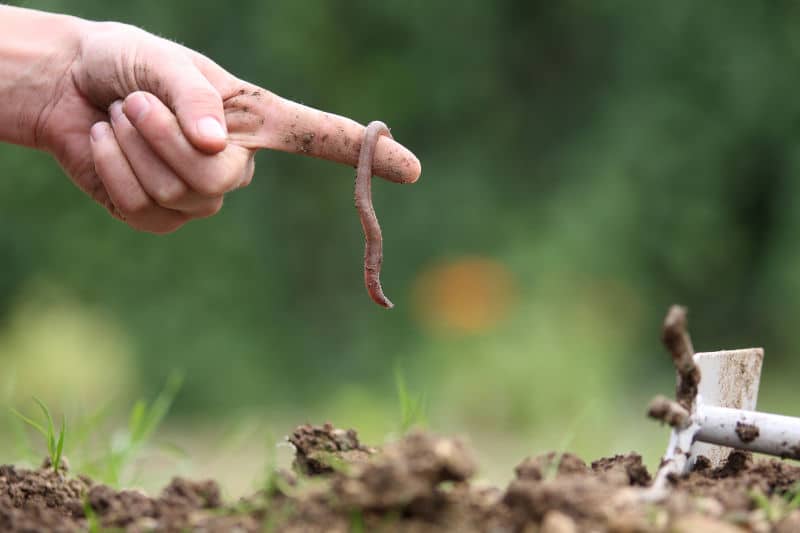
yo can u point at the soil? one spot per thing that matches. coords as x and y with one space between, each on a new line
746 432
421 483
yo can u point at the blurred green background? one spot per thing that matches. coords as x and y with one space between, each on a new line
585 164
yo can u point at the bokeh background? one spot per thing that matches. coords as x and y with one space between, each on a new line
585 164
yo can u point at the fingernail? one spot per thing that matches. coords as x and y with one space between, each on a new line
210 128
98 131
115 111
136 106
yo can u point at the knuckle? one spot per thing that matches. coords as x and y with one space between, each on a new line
159 127
201 97
217 185
169 192
249 172
133 206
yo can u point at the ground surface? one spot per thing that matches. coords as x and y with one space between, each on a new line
418 484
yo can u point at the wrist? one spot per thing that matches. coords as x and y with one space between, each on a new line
37 51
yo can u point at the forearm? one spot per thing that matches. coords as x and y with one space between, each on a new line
36 51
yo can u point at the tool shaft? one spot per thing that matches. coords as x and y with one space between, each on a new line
749 430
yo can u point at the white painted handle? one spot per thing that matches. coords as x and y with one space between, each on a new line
749 430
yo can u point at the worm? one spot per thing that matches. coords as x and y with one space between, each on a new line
373 240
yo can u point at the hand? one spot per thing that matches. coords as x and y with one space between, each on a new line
138 124
141 123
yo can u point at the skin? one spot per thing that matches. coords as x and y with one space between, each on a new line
373 240
156 133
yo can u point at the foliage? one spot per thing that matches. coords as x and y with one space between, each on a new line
125 446
55 442
776 508
412 405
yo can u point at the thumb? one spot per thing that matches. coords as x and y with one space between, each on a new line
197 104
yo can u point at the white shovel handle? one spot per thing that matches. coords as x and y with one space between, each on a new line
749 430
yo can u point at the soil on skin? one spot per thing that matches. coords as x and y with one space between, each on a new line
418 484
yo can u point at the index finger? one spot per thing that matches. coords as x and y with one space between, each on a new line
257 118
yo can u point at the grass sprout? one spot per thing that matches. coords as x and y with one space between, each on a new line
776 508
21 441
551 470
413 406
793 497
55 442
92 522
357 521
125 445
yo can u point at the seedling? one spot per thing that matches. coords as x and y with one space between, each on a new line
92 522
412 405
730 378
55 445
357 521
551 470
126 445
776 508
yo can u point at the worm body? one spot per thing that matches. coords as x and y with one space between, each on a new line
373 240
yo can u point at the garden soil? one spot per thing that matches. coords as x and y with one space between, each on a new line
421 483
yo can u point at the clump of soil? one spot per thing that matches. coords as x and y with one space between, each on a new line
421 483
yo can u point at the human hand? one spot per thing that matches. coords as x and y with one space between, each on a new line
139 125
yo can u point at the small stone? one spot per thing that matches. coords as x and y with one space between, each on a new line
696 522
558 522
790 524
709 507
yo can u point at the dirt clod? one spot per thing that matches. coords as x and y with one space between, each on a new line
550 465
319 450
746 432
623 470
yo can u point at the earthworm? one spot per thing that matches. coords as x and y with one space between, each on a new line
373 240
257 118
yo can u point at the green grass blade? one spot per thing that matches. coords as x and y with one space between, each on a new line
794 501
22 443
136 419
88 426
60 445
160 407
51 429
38 427
50 426
412 406
92 522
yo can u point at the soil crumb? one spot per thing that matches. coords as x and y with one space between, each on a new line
420 483
746 432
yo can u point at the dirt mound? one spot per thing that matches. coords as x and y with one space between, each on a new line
420 483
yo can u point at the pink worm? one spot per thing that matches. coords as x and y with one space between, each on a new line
373 240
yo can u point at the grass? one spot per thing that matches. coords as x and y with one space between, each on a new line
143 421
118 449
357 521
551 470
413 407
92 522
274 482
776 508
55 444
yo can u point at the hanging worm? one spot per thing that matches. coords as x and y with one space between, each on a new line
373 241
